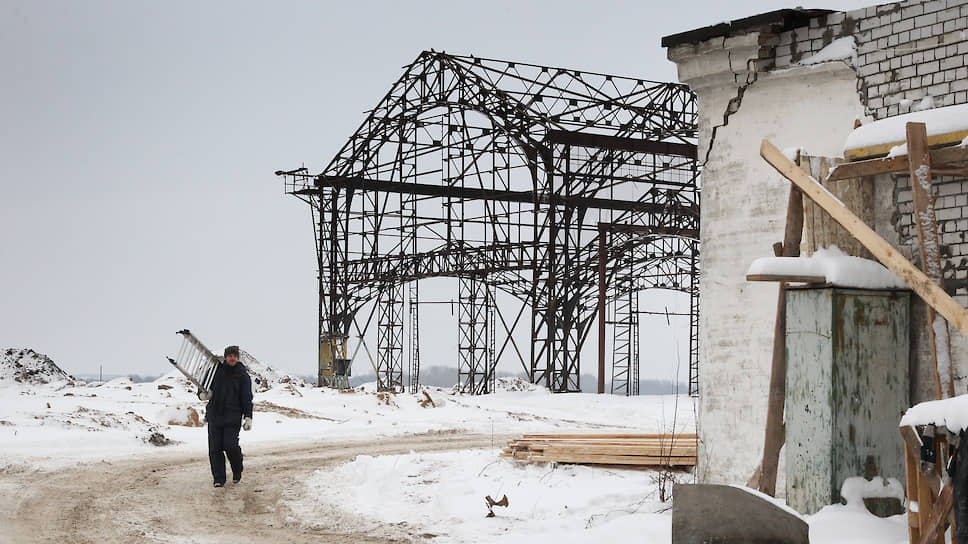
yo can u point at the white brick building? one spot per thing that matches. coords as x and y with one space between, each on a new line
752 83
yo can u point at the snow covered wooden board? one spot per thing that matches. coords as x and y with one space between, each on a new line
880 248
946 126
829 266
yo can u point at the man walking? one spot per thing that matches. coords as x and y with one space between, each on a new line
229 408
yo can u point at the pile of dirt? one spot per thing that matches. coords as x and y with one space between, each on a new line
515 384
264 377
26 366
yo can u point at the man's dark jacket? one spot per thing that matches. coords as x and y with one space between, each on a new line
231 396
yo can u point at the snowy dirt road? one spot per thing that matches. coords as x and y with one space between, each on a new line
169 498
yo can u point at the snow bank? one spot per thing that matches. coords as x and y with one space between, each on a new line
951 413
892 130
834 265
855 490
839 524
443 494
839 49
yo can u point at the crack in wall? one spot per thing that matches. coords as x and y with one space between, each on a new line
735 102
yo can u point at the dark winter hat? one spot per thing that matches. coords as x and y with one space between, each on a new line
231 350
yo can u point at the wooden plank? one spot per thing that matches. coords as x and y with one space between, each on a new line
792 278
775 431
911 473
925 505
929 243
856 193
872 167
933 531
596 436
676 440
880 150
622 450
880 248
616 460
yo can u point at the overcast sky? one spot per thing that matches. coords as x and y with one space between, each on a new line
140 139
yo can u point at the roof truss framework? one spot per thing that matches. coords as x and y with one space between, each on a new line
503 172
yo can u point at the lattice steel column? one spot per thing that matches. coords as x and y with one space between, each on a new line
475 370
390 339
625 347
414 344
694 324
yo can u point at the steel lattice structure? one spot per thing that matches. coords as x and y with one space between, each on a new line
509 176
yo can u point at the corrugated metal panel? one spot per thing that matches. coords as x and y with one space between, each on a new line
847 384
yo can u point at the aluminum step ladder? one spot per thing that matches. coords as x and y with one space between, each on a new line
195 361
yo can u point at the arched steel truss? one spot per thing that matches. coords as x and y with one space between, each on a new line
509 176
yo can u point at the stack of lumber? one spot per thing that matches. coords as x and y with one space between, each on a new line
643 450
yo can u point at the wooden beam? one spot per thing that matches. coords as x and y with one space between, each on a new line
880 150
793 278
911 474
939 157
775 432
929 244
933 531
880 248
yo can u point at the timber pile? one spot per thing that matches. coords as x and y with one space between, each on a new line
643 450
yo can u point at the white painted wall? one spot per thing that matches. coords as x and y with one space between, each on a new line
743 213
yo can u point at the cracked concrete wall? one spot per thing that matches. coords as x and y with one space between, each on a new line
743 213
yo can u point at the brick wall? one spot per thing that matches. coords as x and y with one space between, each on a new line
905 52
951 209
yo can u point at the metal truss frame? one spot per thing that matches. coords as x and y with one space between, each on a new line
500 173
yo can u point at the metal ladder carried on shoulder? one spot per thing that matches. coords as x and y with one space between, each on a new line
195 361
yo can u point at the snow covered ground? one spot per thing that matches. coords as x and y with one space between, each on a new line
65 422
49 425
442 494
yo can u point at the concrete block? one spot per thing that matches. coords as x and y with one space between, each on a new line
726 515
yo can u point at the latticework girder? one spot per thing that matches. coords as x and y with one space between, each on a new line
502 172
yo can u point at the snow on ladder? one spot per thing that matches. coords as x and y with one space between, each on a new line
195 361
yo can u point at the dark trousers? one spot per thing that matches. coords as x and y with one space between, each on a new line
223 440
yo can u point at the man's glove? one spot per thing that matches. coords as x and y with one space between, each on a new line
205 395
247 423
